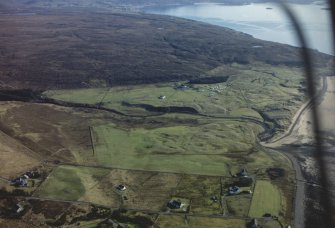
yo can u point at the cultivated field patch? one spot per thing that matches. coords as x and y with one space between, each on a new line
171 221
199 222
266 199
238 205
205 149
78 184
201 191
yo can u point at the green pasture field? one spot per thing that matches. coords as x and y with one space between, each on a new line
266 199
87 224
250 89
171 221
72 183
145 190
238 205
208 149
200 190
200 222
63 183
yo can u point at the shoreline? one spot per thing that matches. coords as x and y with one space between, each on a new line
300 133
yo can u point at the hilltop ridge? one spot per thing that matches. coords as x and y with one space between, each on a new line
71 50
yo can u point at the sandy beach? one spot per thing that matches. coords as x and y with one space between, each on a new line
297 144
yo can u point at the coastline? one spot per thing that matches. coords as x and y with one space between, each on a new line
297 145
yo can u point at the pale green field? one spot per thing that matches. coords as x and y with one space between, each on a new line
85 224
200 222
64 183
74 183
171 221
274 90
206 149
238 205
266 199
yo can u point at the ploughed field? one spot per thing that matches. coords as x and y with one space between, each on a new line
171 109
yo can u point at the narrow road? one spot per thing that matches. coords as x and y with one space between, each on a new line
299 201
299 204
297 117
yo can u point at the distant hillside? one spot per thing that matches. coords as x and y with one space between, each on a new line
75 50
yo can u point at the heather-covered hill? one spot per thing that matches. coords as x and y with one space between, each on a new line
71 50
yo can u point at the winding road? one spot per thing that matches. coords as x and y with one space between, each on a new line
290 136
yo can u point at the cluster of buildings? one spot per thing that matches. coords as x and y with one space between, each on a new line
244 181
22 181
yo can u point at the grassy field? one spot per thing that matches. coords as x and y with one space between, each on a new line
145 190
171 221
200 189
64 183
86 224
266 199
74 183
199 222
204 149
238 205
152 191
274 90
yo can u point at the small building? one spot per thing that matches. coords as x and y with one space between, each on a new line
215 199
121 187
20 182
20 208
181 87
253 224
174 204
242 173
162 97
234 190
32 174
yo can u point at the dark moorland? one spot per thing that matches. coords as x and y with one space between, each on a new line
71 50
